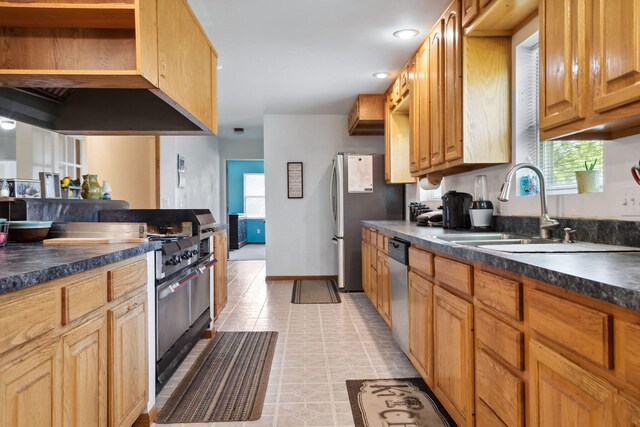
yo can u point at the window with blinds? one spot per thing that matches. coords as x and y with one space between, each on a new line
558 160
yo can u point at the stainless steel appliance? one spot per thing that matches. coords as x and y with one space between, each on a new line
481 211
183 279
399 283
455 210
358 192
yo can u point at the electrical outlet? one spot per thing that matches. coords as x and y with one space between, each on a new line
258 231
631 202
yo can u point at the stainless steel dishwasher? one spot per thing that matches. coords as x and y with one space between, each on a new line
398 278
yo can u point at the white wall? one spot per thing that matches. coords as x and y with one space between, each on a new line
202 160
299 231
235 149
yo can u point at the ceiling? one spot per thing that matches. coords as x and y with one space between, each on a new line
306 56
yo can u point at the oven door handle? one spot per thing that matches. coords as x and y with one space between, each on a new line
206 266
166 292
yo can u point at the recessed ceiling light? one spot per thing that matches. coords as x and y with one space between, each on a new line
7 124
381 75
407 33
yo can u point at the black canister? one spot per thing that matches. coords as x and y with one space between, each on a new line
455 210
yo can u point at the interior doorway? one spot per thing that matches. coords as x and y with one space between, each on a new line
246 209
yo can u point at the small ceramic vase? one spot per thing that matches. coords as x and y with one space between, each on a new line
90 187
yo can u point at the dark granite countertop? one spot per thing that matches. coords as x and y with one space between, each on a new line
218 227
26 264
610 277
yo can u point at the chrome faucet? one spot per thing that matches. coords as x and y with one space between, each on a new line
547 224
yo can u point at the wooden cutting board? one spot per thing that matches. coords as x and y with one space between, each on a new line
92 241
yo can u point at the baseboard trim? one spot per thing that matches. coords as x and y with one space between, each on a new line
277 278
145 420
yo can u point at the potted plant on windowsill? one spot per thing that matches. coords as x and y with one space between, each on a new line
589 179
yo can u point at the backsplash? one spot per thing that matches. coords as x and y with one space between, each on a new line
58 210
605 231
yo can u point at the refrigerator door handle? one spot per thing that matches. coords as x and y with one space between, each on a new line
332 194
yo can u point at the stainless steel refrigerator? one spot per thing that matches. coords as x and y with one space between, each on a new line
359 192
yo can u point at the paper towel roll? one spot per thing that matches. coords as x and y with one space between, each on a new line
431 182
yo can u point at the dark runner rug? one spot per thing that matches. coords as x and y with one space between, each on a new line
404 401
228 381
315 292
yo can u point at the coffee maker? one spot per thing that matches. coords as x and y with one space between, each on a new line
455 210
481 211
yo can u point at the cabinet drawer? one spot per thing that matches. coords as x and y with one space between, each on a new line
373 236
583 330
421 261
454 274
27 318
500 390
382 242
83 297
127 278
505 341
499 293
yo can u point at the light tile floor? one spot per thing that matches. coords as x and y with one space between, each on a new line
319 347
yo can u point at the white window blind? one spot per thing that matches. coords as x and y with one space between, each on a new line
558 160
254 193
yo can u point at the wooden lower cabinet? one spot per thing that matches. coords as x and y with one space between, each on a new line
384 287
453 355
421 326
30 388
128 376
85 375
365 268
562 393
219 273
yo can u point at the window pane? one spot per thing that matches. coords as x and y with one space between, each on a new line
254 184
561 159
254 207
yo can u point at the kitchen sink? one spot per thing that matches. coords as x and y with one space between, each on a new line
480 239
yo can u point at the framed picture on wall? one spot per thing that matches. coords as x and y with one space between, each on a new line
50 184
294 180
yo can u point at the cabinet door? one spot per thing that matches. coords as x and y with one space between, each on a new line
127 371
421 326
185 60
422 83
373 275
452 83
85 375
387 137
453 354
563 62
627 411
562 393
365 267
30 389
414 118
616 53
436 109
469 11
220 273
384 288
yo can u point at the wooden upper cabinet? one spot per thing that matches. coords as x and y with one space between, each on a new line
387 135
414 118
367 115
424 107
562 393
181 41
452 83
453 355
563 62
470 10
436 105
616 53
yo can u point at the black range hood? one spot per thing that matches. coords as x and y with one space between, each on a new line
80 111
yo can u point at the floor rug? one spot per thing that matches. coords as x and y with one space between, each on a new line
405 401
227 382
315 292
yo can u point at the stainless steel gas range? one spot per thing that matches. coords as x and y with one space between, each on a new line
183 279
